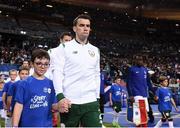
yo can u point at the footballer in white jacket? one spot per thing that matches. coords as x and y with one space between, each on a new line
76 78
63 38
77 72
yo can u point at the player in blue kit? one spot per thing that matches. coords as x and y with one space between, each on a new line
35 96
138 83
165 102
115 99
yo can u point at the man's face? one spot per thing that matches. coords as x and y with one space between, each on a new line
66 38
82 29
23 74
40 66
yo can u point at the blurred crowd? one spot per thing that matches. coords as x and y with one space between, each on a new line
117 54
13 55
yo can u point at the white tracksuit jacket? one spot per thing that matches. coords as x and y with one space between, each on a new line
76 72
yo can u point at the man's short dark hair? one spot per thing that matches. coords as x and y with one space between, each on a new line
39 53
65 34
81 16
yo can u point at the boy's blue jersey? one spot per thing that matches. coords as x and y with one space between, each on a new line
164 99
116 92
137 81
1 102
6 88
12 92
37 97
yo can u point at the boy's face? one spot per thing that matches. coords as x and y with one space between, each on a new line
40 66
1 85
13 75
23 74
164 83
118 81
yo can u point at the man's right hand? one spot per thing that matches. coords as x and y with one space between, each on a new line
64 105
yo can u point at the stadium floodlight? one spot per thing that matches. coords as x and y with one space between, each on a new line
23 32
85 12
134 20
49 6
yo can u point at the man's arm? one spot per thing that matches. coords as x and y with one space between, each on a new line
97 76
17 114
149 83
58 63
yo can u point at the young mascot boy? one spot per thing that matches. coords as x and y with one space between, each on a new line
35 95
165 102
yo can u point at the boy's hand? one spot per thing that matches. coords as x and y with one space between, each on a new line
131 99
156 98
177 110
9 114
110 103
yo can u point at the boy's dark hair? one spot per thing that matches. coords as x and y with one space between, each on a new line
39 53
65 34
21 68
117 77
81 16
162 78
